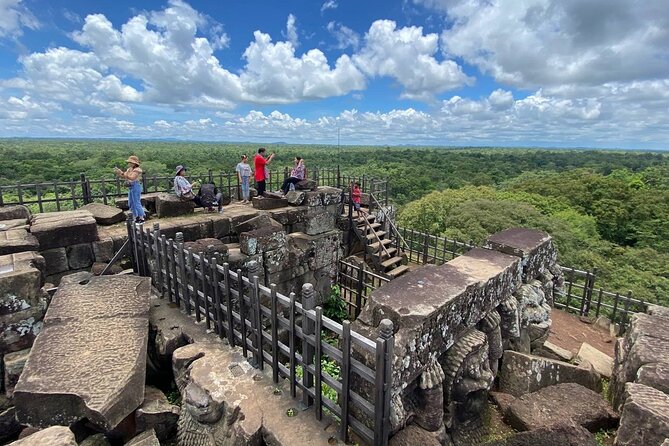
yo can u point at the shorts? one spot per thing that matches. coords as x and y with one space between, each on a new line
356 206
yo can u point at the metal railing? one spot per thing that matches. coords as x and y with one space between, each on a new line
238 308
66 195
356 284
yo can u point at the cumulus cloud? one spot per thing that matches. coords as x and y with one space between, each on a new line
329 4
291 31
408 56
552 42
344 35
14 16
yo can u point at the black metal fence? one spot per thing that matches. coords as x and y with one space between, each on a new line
423 248
356 284
66 195
251 316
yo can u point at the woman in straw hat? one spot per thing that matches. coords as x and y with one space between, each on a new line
132 175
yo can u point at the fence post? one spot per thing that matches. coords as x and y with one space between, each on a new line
358 291
85 189
338 177
145 186
129 223
157 256
383 384
308 328
425 248
179 238
345 377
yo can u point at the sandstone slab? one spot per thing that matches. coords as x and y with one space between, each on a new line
17 240
80 256
55 260
323 196
103 250
262 221
306 185
156 413
601 362
416 435
289 216
563 403
62 229
19 223
168 205
105 215
433 305
70 374
320 222
147 438
52 436
522 373
295 197
14 212
655 375
644 420
21 277
261 240
555 435
265 203
534 247
552 351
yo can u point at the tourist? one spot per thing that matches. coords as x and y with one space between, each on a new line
244 176
132 176
207 197
356 194
297 174
261 170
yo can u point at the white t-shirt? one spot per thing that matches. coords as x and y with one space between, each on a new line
244 169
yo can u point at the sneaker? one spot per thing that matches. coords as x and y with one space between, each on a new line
221 211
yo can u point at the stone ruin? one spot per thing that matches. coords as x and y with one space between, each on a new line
460 329
452 323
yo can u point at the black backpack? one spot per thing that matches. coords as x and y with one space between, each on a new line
208 195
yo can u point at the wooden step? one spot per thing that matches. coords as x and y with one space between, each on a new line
391 253
398 271
373 226
374 247
390 262
375 235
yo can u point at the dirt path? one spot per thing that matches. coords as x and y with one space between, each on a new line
569 332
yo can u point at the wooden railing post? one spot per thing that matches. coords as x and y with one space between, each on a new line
308 351
358 290
383 384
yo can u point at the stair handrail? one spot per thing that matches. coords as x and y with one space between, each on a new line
355 226
376 235
394 229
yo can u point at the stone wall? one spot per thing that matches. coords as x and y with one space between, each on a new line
640 381
452 323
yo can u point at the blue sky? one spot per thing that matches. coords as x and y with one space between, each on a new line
558 73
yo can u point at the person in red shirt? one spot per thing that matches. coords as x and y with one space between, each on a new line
356 193
260 164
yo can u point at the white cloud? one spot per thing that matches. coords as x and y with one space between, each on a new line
539 43
344 35
329 4
14 16
291 31
407 55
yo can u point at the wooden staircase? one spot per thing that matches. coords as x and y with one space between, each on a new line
386 258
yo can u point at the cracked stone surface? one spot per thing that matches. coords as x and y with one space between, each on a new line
89 360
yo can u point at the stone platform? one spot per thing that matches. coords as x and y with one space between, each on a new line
89 361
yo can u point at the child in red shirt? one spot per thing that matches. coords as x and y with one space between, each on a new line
356 193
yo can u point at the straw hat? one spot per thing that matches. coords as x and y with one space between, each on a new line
179 169
133 159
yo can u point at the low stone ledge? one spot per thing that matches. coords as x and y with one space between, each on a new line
17 240
105 215
62 229
168 205
14 212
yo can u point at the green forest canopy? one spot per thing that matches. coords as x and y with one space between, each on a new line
606 209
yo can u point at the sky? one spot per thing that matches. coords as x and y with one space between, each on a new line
550 73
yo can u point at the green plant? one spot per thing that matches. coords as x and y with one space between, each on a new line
174 397
605 437
335 307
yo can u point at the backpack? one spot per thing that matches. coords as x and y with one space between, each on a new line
208 195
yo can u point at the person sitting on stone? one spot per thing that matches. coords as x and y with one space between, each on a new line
297 174
184 190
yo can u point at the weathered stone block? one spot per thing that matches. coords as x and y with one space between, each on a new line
260 222
208 246
323 196
9 427
261 240
14 212
17 240
103 214
320 223
19 330
13 366
655 375
646 341
306 185
295 197
319 250
148 201
555 435
433 305
289 216
20 223
71 375
80 256
644 420
534 247
601 362
21 277
521 374
56 260
168 205
221 226
563 403
156 413
146 438
265 203
62 229
552 351
52 436
103 250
